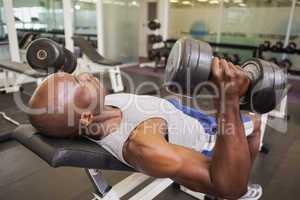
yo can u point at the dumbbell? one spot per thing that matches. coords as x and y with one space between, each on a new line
48 56
286 64
277 47
155 38
291 47
236 59
189 66
226 56
154 54
216 54
154 25
265 46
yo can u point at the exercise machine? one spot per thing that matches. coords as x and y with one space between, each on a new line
94 63
25 75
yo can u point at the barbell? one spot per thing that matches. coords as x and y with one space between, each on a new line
189 65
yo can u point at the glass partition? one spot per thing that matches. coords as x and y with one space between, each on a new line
30 15
195 18
237 22
4 47
251 22
121 29
85 20
43 15
3 32
121 26
55 16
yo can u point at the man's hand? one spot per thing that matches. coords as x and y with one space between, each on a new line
230 79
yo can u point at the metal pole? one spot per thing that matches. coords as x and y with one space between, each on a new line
11 29
163 17
68 24
100 26
289 27
290 23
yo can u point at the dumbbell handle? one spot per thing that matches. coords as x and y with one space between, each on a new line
252 71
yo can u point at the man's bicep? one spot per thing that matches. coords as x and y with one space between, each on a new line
163 160
153 156
195 170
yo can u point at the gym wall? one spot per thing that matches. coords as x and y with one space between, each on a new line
247 23
121 22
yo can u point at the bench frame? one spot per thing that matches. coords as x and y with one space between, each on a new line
105 192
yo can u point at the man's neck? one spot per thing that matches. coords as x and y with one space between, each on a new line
107 122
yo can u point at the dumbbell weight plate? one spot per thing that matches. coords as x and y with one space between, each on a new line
45 55
268 88
70 63
291 48
189 60
280 83
278 46
263 94
153 25
267 45
286 64
173 66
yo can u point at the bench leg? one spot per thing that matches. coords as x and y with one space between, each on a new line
196 195
8 86
106 192
148 64
153 189
264 121
281 113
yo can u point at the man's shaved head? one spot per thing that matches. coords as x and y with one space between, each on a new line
65 98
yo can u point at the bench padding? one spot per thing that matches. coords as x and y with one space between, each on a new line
21 68
79 152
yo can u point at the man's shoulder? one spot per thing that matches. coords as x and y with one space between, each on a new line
151 126
146 137
148 130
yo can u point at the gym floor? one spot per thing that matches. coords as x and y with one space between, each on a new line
25 176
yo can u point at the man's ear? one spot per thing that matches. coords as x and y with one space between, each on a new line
86 118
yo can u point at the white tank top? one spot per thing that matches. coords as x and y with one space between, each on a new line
182 129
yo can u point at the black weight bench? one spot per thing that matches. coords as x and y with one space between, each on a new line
88 50
79 152
83 153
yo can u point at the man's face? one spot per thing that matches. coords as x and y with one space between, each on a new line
89 91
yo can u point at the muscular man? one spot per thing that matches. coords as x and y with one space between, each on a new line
153 135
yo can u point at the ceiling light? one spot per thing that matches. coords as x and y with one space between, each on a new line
242 5
77 7
237 1
174 1
133 3
202 0
186 3
88 1
214 2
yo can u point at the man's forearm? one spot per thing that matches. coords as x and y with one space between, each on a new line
231 162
